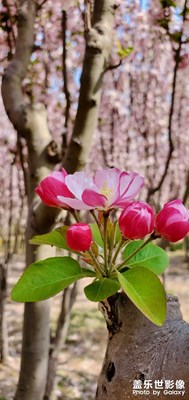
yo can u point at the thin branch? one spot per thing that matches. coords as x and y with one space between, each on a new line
111 67
16 70
65 78
104 154
39 6
186 193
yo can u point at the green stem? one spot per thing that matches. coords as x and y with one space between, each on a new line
97 222
120 244
106 215
112 245
124 263
97 265
75 215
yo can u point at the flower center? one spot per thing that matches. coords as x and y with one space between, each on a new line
106 191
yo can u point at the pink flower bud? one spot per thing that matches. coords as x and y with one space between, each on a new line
79 237
52 186
172 222
136 220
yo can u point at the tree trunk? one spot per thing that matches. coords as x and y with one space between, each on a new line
139 350
96 62
68 299
4 347
30 123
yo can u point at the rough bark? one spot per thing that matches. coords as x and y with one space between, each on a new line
30 122
35 346
98 48
138 349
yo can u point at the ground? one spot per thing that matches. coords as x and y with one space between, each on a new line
81 357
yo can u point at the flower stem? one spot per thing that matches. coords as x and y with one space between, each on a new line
75 215
106 215
97 265
97 222
112 245
124 263
119 247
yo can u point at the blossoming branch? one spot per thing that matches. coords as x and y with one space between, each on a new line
116 252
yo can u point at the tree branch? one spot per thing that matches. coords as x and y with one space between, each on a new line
16 70
65 78
98 47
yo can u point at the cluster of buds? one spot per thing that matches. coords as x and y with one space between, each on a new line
108 190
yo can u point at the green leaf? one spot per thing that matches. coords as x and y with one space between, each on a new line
44 279
151 256
101 289
123 51
96 234
55 238
146 291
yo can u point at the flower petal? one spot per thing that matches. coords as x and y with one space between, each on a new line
130 185
50 187
94 199
176 231
109 177
74 203
78 182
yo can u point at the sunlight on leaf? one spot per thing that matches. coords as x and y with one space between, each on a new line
146 291
151 257
44 279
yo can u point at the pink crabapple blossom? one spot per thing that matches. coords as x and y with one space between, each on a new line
79 237
109 189
172 222
113 188
136 220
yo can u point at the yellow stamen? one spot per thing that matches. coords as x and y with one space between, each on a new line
106 191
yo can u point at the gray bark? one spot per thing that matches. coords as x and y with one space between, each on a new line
138 349
98 49
30 122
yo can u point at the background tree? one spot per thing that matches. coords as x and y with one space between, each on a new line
142 120
30 122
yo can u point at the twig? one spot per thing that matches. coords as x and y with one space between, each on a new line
65 78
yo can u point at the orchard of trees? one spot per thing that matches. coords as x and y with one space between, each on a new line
86 85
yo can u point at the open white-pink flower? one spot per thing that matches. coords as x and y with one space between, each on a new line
110 188
113 189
